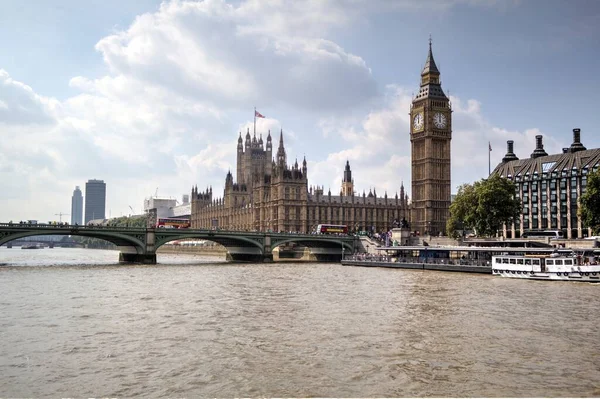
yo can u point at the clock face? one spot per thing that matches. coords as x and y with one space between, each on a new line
439 120
418 121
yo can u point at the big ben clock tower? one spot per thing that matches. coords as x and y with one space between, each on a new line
430 135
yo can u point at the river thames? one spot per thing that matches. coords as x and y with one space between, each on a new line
75 323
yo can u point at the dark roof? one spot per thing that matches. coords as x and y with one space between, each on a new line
550 163
430 66
431 90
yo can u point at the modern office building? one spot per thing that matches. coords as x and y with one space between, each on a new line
77 206
550 187
95 200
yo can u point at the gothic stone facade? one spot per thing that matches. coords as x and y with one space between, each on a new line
549 187
430 135
269 195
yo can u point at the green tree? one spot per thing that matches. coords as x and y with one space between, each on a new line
590 202
460 210
124 221
484 206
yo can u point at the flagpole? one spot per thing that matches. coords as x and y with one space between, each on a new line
254 121
489 158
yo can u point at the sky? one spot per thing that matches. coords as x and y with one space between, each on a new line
150 96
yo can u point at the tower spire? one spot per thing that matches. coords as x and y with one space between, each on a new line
430 66
281 157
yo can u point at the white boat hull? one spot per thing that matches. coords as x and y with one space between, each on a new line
591 277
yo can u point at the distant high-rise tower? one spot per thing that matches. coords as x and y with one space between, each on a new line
95 200
76 206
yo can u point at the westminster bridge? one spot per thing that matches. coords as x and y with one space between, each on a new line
139 245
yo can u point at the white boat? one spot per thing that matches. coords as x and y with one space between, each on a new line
554 267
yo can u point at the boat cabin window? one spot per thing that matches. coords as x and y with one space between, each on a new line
504 260
519 261
558 262
535 261
513 261
498 260
550 262
528 261
568 261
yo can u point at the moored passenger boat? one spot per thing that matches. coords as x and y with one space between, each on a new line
554 267
541 263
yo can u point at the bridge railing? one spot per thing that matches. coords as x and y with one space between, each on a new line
66 226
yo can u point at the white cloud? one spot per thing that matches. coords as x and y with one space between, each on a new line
222 55
19 105
163 116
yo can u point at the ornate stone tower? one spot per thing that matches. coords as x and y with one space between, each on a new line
348 181
430 135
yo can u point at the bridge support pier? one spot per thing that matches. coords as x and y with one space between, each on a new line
326 257
148 259
254 258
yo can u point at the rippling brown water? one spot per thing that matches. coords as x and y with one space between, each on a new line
194 328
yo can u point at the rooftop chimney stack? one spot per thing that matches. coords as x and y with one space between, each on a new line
577 146
510 155
539 148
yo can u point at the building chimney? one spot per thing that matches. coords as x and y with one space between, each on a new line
539 148
565 150
510 155
577 146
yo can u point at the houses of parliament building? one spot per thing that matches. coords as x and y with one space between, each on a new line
270 195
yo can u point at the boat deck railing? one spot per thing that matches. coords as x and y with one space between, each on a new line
418 260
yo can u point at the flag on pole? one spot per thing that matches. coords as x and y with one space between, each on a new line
258 114
490 146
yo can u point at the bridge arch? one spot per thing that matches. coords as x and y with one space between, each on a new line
239 245
304 240
113 237
130 241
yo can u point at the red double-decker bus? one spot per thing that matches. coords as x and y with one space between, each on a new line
332 229
173 223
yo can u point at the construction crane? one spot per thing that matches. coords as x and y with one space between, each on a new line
60 215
